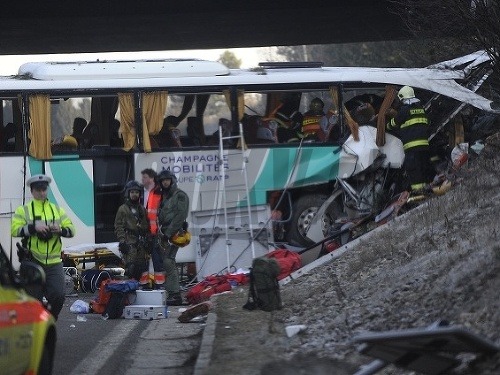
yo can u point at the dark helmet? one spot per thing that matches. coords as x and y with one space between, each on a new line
132 185
166 174
316 105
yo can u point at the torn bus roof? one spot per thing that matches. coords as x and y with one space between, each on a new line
447 78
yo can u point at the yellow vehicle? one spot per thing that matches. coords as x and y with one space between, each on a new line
27 329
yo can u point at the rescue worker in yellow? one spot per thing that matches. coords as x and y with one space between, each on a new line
131 228
411 125
172 214
42 224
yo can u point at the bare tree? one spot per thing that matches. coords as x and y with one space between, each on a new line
474 22
397 53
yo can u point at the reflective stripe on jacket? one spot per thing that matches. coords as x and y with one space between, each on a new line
311 124
411 125
45 251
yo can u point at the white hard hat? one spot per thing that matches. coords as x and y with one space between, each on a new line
38 178
406 92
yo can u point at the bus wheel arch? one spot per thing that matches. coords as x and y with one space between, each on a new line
304 209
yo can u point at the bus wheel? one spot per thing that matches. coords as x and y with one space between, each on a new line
303 210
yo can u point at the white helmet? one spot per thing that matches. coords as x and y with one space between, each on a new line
38 178
406 92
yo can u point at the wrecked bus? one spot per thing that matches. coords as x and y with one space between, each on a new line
92 126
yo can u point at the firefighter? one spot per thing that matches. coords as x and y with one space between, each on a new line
42 224
314 120
172 215
131 228
410 124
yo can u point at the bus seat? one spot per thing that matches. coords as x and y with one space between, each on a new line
89 136
153 142
267 131
250 124
265 135
176 137
168 136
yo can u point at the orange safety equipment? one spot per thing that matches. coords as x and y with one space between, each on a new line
311 124
154 200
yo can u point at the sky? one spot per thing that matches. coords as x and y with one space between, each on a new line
9 64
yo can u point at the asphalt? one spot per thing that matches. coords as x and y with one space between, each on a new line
168 346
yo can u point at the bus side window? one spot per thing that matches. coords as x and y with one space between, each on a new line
195 131
169 136
250 125
227 130
90 135
8 137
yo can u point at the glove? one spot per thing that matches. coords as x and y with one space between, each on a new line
23 253
123 248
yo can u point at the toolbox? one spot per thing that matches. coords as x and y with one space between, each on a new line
145 312
150 297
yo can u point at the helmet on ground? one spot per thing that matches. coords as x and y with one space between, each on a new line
166 174
132 185
406 92
181 238
316 105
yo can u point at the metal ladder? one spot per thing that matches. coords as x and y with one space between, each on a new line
235 192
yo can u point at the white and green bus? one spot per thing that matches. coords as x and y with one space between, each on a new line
94 125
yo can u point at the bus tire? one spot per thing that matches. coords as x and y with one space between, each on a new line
303 210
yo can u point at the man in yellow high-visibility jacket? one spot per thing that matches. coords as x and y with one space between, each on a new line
42 224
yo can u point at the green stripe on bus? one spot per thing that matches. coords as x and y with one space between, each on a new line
76 187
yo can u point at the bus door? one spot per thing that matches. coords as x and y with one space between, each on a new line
111 173
90 190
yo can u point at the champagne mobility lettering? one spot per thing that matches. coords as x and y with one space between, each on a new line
195 168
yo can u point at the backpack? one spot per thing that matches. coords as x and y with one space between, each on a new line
116 304
264 292
108 287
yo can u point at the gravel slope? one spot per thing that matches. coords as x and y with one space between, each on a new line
439 261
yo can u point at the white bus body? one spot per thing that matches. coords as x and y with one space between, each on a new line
88 182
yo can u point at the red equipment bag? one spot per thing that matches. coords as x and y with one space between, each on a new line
99 304
288 261
206 288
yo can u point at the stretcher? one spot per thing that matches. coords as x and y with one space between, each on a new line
85 256
77 259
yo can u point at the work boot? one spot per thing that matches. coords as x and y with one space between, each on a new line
174 299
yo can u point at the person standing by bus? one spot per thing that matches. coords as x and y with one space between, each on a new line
411 125
131 228
172 215
152 198
41 224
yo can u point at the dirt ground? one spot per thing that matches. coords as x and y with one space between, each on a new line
439 261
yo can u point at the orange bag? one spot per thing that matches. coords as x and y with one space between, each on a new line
288 261
206 288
